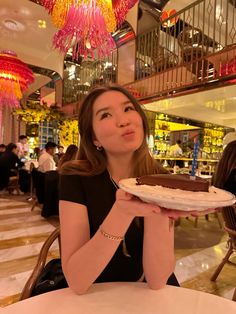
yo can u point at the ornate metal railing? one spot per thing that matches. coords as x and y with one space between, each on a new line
194 47
78 78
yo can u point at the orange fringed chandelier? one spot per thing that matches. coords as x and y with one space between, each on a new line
86 24
15 76
167 21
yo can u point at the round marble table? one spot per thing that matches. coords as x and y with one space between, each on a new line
124 298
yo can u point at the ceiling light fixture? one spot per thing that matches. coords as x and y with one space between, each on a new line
87 24
167 19
42 24
13 25
15 76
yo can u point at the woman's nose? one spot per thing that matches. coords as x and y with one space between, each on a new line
122 120
120 125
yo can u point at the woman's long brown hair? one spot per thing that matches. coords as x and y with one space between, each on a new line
93 162
226 164
70 154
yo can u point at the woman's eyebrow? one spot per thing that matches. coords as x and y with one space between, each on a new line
107 108
127 102
102 109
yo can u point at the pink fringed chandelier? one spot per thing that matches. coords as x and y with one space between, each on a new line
15 76
87 24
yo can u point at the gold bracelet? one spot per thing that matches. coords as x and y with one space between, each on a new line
110 236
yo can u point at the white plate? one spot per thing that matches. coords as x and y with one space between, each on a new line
178 199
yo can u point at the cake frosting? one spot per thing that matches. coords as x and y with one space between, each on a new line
178 199
175 181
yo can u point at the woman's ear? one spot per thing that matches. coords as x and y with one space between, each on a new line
96 143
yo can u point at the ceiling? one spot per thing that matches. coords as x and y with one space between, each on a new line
217 106
20 31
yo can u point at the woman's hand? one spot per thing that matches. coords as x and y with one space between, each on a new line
129 204
175 214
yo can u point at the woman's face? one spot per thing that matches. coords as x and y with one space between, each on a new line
117 126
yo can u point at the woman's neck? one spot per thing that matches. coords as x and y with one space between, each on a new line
119 168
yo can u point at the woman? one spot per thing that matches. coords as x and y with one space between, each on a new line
9 163
107 234
225 176
70 154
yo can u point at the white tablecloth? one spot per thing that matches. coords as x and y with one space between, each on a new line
124 298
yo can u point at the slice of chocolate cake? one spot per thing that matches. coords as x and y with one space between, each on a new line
175 181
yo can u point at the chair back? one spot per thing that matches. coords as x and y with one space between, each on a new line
39 184
42 258
229 217
13 183
31 167
51 194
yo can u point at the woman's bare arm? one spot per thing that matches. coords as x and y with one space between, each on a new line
83 259
158 250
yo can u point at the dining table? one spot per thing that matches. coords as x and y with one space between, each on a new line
124 298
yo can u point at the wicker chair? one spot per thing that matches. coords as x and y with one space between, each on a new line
234 295
195 46
229 217
39 185
30 284
13 183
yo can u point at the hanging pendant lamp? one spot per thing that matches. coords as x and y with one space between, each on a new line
15 76
87 25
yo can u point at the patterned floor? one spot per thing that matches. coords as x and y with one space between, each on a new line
22 233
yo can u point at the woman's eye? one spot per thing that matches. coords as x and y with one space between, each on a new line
128 108
105 115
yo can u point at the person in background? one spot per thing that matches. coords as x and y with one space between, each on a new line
225 178
59 154
46 161
2 148
9 164
107 234
23 147
225 175
176 150
35 155
70 154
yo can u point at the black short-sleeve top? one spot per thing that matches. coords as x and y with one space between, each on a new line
97 193
230 184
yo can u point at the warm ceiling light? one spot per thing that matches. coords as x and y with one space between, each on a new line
13 25
42 24
167 19
15 76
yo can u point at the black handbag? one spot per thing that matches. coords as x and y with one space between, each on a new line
51 278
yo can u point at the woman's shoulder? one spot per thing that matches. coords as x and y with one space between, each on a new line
233 171
76 187
232 175
75 167
80 177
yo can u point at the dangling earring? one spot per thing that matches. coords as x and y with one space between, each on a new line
99 148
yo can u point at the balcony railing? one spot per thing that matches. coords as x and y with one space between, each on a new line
78 78
194 47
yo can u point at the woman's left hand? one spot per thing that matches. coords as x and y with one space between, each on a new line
175 214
